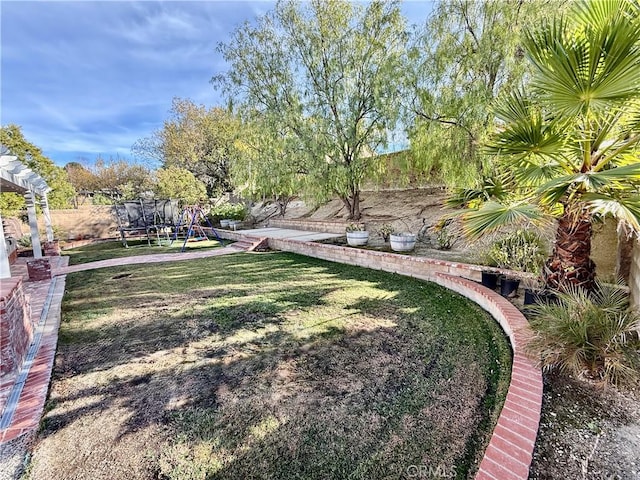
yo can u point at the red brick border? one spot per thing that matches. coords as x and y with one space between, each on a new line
509 453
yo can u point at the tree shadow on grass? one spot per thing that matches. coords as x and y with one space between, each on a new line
367 398
325 405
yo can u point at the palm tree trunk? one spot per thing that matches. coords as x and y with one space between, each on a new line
570 262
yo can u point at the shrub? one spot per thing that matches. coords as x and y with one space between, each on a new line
520 250
445 236
593 335
356 227
25 241
227 211
385 230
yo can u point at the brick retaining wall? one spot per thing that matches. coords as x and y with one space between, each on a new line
16 330
309 225
509 453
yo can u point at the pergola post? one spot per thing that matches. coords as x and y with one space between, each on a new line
33 224
5 269
44 203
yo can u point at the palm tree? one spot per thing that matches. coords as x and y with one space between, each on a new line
568 147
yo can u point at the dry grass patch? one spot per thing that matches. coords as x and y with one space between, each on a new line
267 366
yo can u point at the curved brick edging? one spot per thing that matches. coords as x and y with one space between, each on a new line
509 453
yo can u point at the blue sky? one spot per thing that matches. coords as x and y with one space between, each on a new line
89 78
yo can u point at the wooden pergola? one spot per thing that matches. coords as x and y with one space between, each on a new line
18 178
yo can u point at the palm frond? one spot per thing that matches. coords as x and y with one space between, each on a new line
513 107
589 182
554 190
531 173
492 216
624 209
491 188
526 131
627 173
597 13
592 67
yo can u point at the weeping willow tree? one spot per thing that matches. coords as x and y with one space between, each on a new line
269 164
328 73
467 53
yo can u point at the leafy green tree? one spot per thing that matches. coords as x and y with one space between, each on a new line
181 184
569 145
119 179
82 178
62 192
467 53
269 165
327 71
197 138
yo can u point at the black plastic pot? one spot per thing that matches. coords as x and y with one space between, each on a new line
531 296
537 297
509 286
490 279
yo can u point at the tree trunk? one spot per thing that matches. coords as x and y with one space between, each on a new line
355 206
283 203
352 203
570 262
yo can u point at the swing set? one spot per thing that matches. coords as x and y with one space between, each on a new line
194 216
159 217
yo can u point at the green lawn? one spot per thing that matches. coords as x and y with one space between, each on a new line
114 249
268 366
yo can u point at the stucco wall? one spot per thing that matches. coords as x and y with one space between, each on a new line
88 221
634 275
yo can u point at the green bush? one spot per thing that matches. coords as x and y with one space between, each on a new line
590 335
356 227
520 250
230 211
25 241
444 234
385 231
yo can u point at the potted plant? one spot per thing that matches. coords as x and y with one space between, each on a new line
522 251
402 242
489 276
534 294
357 235
385 231
490 279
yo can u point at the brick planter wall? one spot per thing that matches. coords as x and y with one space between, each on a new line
309 225
508 455
39 269
13 256
16 330
51 249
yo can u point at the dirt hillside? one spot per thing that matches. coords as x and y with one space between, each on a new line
410 210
